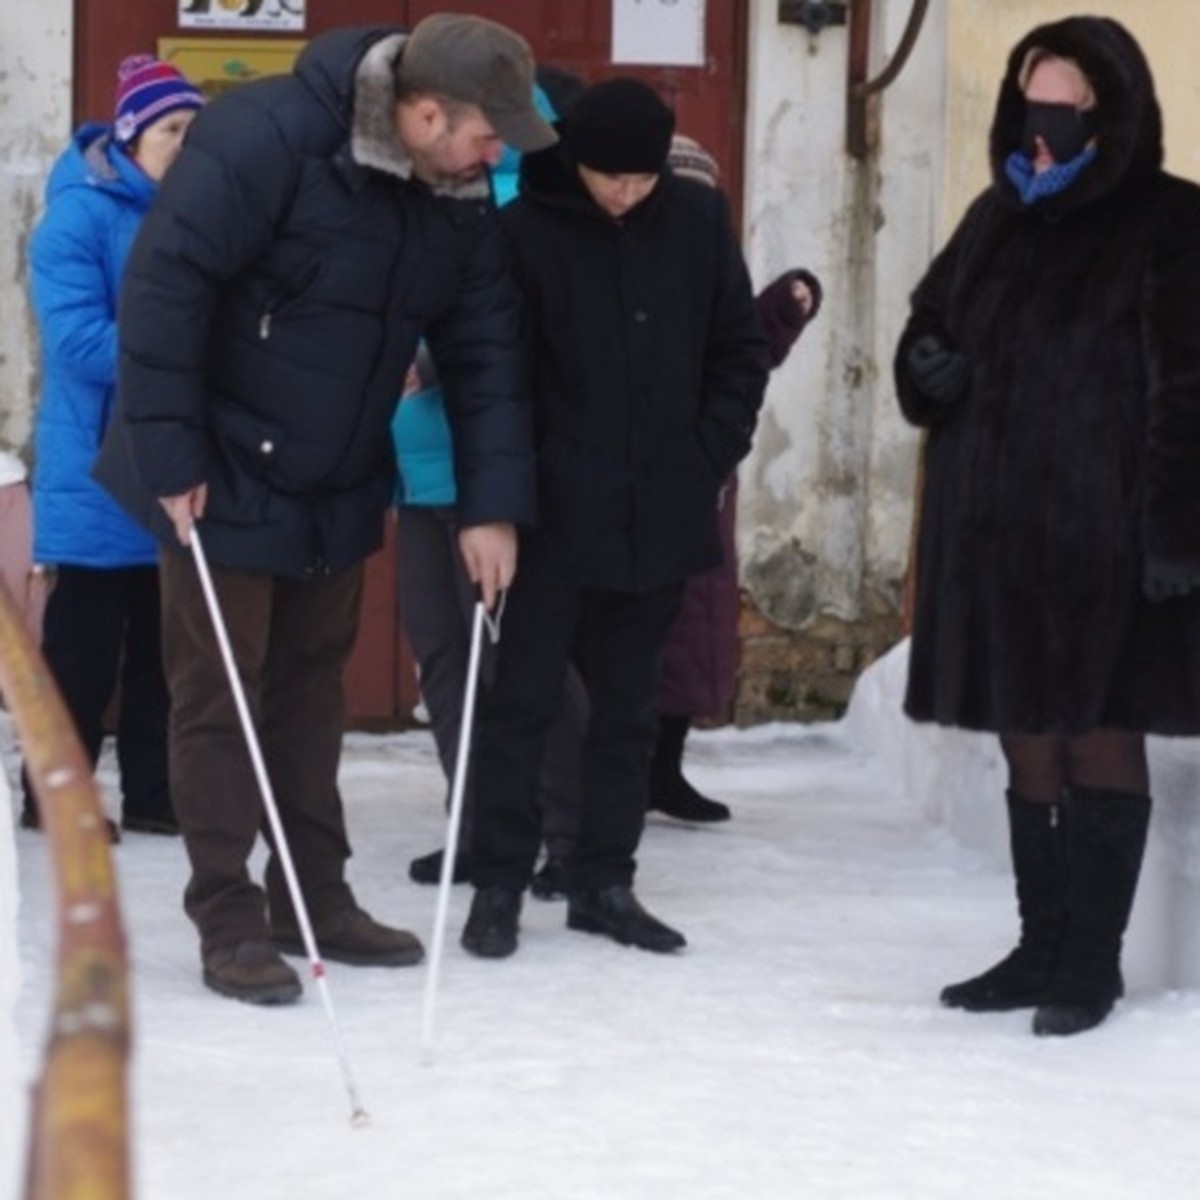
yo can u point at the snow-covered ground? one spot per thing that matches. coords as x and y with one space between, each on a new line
796 1049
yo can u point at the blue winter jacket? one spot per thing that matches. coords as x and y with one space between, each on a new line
95 200
420 430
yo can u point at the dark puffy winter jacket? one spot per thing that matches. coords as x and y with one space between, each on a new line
1072 461
272 303
649 369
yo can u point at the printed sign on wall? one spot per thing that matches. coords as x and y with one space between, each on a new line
242 14
664 33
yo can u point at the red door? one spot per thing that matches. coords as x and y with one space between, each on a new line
573 34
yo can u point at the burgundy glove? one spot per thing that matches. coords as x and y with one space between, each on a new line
782 315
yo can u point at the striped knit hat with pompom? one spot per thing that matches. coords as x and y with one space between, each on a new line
147 89
690 159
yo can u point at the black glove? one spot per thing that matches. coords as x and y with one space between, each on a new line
1162 580
937 372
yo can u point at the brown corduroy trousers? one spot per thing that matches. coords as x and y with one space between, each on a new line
290 640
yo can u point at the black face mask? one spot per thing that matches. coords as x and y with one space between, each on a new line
1065 130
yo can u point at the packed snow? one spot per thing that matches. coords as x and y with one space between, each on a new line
795 1049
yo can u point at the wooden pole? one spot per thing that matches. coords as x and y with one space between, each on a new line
78 1147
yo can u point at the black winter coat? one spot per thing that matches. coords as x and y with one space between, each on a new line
649 369
1073 459
272 304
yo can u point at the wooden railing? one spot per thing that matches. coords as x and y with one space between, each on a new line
78 1143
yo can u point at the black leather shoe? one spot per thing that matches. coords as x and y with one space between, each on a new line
428 868
164 826
550 881
687 804
491 928
615 911
684 803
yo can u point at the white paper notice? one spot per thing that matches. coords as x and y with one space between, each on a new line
242 14
666 33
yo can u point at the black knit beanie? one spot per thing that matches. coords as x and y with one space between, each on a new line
620 127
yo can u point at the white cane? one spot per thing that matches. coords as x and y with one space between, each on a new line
457 788
358 1115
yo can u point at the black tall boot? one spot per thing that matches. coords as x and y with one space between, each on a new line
1105 844
1037 838
670 793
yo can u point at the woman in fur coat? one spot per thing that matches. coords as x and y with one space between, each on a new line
1053 355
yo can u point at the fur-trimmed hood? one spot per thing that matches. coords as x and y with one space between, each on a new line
351 70
1129 137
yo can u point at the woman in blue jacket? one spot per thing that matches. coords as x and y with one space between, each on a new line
102 621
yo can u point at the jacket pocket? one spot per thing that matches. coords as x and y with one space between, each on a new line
286 294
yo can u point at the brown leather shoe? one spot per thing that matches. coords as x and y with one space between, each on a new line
355 937
251 971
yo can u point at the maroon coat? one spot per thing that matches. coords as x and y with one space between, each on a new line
699 667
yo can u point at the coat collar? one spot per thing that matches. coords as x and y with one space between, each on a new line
373 140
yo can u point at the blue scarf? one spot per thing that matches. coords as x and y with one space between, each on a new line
1032 187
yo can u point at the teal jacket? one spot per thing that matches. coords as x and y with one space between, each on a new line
420 430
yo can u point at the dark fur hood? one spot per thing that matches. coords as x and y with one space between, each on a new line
1129 138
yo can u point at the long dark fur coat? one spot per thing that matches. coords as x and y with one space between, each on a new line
1074 456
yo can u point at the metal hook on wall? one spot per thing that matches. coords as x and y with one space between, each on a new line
862 93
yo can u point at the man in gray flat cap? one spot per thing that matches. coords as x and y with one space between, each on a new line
314 228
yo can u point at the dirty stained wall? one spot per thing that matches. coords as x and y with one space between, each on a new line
35 117
827 490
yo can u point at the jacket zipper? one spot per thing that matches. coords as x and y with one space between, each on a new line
290 291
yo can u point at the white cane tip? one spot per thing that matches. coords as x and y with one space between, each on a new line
360 1119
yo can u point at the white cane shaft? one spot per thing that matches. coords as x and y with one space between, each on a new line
451 852
272 811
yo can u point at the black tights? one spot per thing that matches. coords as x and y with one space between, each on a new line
1042 767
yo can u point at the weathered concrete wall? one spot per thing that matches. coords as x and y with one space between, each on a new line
35 114
827 492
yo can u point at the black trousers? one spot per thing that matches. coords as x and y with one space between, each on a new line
437 605
101 626
614 639
290 640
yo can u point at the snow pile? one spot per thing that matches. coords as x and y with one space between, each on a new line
12 469
958 780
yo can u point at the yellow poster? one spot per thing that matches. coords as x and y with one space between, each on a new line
217 64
